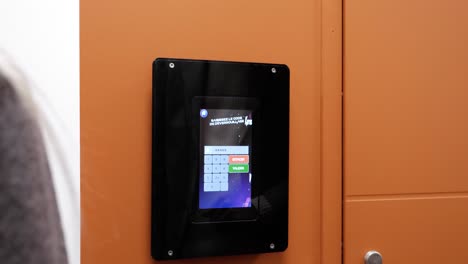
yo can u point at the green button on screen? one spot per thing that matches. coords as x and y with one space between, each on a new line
239 168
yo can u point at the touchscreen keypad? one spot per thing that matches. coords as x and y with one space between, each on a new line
217 169
216 176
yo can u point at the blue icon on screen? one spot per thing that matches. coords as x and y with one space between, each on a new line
203 113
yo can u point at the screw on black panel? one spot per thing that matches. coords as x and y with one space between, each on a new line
171 65
170 253
272 246
273 70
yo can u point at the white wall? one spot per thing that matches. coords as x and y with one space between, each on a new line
43 39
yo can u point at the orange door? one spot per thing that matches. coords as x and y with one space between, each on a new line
120 40
406 131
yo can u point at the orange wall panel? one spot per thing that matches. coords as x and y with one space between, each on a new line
119 41
425 230
406 93
405 130
331 132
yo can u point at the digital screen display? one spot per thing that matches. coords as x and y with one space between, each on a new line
225 163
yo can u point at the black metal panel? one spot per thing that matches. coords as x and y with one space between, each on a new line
180 88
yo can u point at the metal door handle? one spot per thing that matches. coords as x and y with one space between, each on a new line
373 257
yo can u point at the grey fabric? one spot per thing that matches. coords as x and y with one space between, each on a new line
30 227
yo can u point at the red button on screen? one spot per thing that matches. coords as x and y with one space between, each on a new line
239 159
